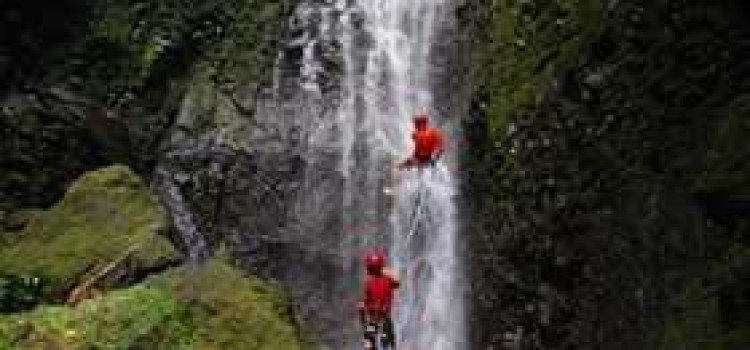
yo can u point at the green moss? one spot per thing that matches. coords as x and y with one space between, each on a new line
19 219
103 214
236 309
527 44
117 321
193 307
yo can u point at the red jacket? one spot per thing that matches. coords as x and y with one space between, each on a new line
379 295
427 142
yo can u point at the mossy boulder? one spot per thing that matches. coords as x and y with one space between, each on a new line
104 215
212 306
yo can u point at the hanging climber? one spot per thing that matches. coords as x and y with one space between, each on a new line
375 309
429 144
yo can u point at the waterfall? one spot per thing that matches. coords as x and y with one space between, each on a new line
182 216
363 69
385 78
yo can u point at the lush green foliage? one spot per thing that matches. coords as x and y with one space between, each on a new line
211 306
120 320
131 44
19 293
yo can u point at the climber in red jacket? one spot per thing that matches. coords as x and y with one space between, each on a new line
375 309
429 144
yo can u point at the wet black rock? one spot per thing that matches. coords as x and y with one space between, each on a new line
633 110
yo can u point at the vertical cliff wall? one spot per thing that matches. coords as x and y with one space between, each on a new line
609 198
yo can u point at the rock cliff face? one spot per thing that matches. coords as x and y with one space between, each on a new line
106 82
198 97
172 90
608 196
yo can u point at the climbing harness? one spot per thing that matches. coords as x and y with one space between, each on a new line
376 337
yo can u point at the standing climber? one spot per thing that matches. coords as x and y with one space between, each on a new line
429 144
375 309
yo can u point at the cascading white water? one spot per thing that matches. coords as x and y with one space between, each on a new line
387 45
385 49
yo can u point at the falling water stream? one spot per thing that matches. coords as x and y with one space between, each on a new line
386 47
365 69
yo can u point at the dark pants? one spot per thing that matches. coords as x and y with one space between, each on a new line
373 325
417 162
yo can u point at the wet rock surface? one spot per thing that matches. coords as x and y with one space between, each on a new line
593 170
177 88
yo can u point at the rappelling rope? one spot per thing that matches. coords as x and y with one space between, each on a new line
419 206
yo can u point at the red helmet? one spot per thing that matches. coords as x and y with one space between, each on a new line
374 262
